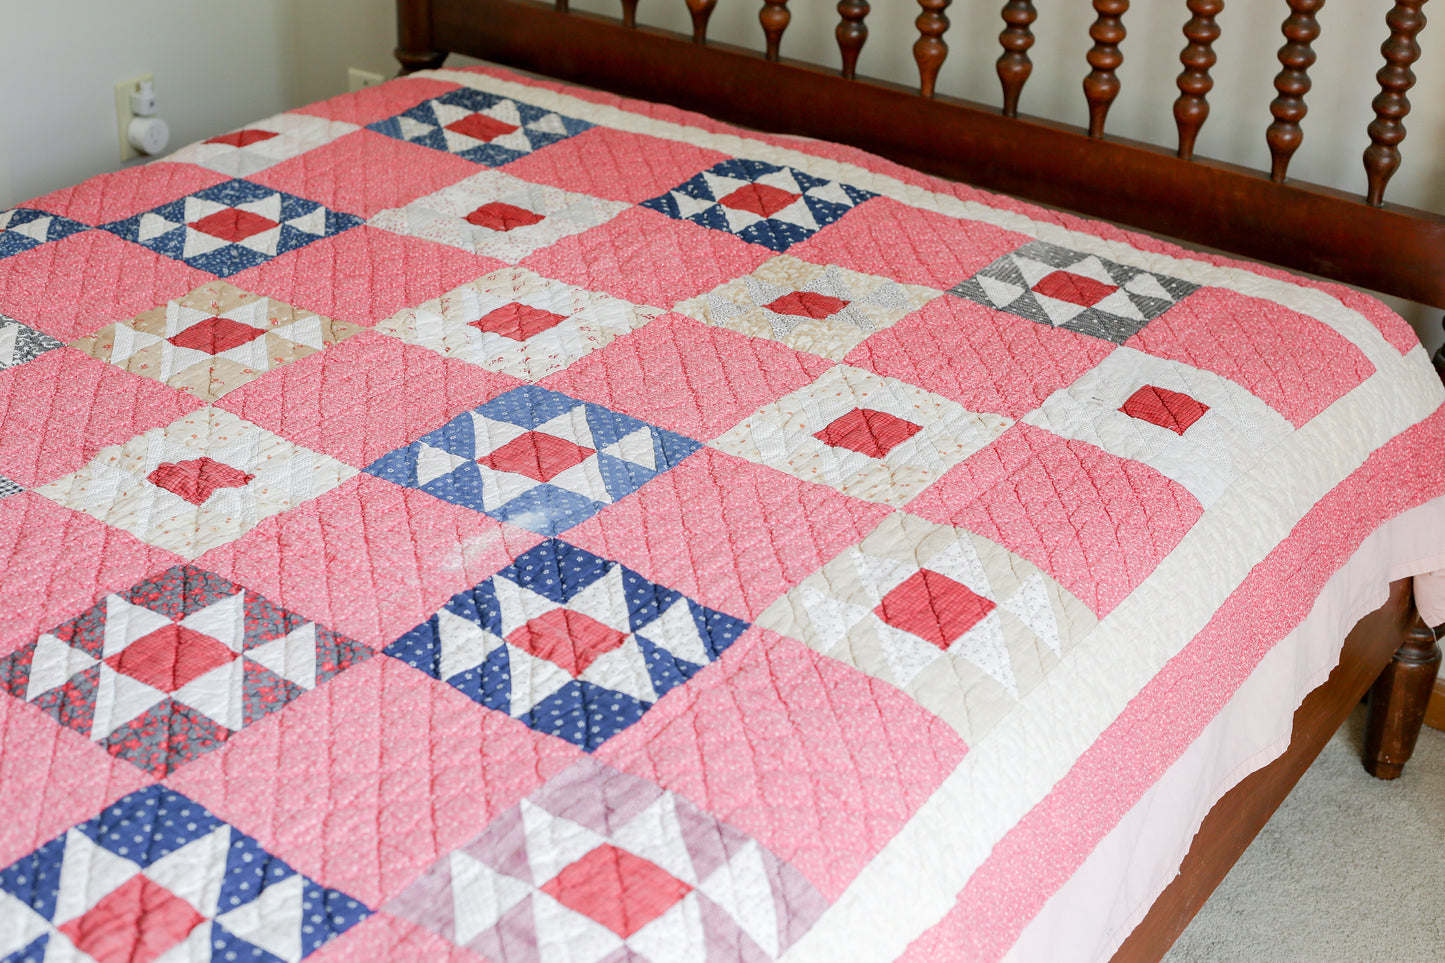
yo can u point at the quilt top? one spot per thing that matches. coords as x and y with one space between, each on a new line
477 519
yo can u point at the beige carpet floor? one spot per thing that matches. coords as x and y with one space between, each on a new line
1349 869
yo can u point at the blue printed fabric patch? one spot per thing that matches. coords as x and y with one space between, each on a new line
762 203
536 458
232 226
156 873
24 228
572 644
483 128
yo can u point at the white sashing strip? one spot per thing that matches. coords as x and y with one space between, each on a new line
1307 300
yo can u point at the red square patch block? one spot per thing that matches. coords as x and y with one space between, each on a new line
807 304
868 432
934 607
763 200
170 657
501 216
618 889
481 127
215 335
518 321
135 924
537 455
566 638
243 138
197 479
1167 409
233 224
1074 288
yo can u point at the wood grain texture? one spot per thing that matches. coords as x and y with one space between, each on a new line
1101 86
1191 110
930 50
851 33
1398 700
1285 135
415 48
775 19
701 12
1387 130
1014 65
1435 711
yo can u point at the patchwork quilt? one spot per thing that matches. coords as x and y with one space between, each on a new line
478 519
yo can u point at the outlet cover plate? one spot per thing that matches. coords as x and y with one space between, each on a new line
123 116
357 79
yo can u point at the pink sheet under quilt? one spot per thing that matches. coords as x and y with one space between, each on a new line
474 518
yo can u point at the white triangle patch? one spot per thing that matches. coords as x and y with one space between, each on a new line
737 886
272 920
1001 293
464 644
433 463
480 896
676 631
636 447
196 871
88 874
52 665
292 657
1147 285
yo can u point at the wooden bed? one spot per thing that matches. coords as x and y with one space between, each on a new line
1359 240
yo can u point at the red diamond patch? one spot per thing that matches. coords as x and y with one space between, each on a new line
868 432
500 216
807 304
1074 288
170 657
763 200
243 138
621 891
197 479
135 924
233 224
215 335
933 607
567 638
518 321
1165 408
537 455
481 127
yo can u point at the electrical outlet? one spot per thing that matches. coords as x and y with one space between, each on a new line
123 114
357 79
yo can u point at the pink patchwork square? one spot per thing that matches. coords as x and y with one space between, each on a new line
1298 365
820 762
370 104
370 559
382 937
616 164
986 360
365 397
81 779
648 258
909 245
115 197
687 376
78 285
1097 523
365 781
363 275
55 563
57 411
366 172
778 529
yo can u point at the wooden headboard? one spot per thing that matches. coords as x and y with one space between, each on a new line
1263 215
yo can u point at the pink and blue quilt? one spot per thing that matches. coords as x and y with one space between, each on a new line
484 520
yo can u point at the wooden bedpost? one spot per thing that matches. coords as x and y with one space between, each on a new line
1400 695
414 47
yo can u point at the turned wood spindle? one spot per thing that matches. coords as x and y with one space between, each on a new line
1014 65
700 10
1102 84
929 50
852 33
629 13
1405 687
1382 157
775 18
1191 110
1284 136
562 6
414 46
